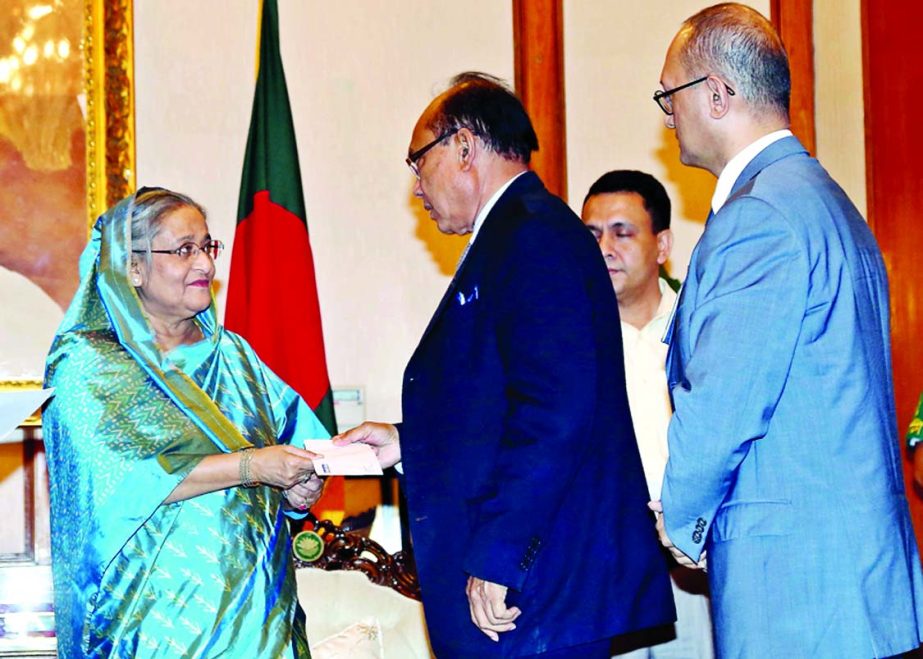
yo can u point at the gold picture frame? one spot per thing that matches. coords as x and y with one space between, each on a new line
108 82
106 78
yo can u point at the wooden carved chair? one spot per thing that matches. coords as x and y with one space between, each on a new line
344 550
360 601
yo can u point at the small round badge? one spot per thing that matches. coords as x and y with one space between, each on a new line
308 546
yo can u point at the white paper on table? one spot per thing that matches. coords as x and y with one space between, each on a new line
349 460
16 406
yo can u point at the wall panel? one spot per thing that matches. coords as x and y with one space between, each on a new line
893 93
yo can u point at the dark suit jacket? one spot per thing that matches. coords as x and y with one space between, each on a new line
520 460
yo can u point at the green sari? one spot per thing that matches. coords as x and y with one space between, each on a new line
135 577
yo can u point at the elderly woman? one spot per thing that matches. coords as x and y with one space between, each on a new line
173 453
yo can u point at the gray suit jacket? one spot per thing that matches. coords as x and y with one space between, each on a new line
784 457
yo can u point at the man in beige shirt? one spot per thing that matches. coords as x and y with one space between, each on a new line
628 212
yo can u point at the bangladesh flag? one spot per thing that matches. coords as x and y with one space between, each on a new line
272 292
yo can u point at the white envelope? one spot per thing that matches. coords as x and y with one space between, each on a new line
349 460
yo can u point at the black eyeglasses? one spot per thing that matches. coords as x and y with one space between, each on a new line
189 251
412 159
662 98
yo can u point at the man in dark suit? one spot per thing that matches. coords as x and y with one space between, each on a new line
524 485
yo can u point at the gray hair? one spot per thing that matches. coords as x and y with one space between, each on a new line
151 205
739 44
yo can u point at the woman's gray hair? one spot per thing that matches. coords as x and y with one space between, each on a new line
737 43
151 205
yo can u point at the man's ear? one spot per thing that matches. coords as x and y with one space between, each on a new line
466 148
720 99
664 246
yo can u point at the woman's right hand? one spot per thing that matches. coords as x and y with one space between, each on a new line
282 466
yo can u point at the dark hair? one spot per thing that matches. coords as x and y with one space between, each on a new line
488 108
656 200
739 44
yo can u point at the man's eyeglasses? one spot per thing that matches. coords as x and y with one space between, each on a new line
412 159
662 98
189 251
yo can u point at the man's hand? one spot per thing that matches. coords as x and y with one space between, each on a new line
487 602
678 555
382 437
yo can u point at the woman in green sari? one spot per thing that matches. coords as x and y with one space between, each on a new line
174 455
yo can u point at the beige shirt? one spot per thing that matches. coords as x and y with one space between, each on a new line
646 381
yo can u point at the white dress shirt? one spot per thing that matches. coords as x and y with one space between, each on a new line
738 163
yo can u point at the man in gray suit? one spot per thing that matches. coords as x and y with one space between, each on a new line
784 462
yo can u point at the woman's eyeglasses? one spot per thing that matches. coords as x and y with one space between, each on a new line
189 251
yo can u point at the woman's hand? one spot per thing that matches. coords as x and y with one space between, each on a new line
282 466
382 437
304 495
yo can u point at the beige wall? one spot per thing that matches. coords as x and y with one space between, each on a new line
839 106
359 73
615 52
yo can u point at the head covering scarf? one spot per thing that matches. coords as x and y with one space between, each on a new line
207 576
106 301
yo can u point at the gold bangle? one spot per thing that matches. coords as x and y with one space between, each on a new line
246 478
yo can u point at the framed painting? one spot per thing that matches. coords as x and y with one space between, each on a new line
66 154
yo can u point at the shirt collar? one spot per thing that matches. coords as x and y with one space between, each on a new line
664 309
482 215
667 298
738 163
